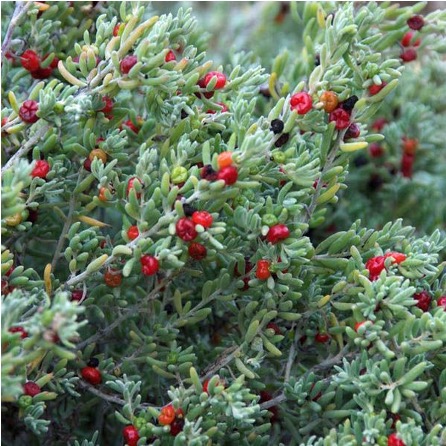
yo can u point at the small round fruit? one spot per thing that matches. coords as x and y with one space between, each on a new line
277 126
408 55
170 56
273 326
208 173
301 102
42 73
340 117
130 186
221 80
322 338
197 251
77 295
375 89
375 265
394 440
28 112
379 124
358 325
132 232
277 233
131 435
185 229
376 150
98 153
329 100
423 300
167 415
113 278
127 63
263 272
92 375
398 257
349 104
353 131
441 302
30 60
176 426
416 22
228 174
93 362
102 195
150 265
41 169
202 218
410 145
224 159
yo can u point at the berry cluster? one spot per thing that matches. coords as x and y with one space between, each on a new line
32 62
377 264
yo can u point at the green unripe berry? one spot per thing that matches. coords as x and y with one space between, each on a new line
25 401
279 157
269 220
179 175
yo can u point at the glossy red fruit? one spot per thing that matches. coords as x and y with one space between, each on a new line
108 105
263 272
28 111
441 302
31 388
87 165
394 440
340 117
130 186
21 330
127 63
41 169
77 295
322 338
170 56
410 145
375 265
353 131
407 40
301 102
150 265
131 435
228 174
221 80
408 55
423 300
416 22
185 229
132 232
30 60
197 251
398 257
92 375
375 89
202 218
375 150
277 233
167 415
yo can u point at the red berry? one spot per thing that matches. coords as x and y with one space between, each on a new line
202 218
21 330
221 80
301 102
375 89
359 324
441 302
130 186
131 126
132 232
113 278
131 435
150 265
92 375
277 233
167 415
197 251
42 73
263 272
127 63
407 165
410 145
170 56
353 131
176 426
116 29
31 388
208 173
41 169
398 257
340 117
224 108
108 105
30 60
407 40
322 338
274 327
423 300
228 174
379 124
375 265
185 229
394 440
77 295
376 150
416 22
408 55
28 111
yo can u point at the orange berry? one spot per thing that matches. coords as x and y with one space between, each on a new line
98 153
101 194
224 159
330 100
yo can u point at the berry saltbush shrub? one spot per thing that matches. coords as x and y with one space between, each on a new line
160 284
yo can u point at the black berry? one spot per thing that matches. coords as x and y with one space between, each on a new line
188 210
283 139
349 103
277 126
93 362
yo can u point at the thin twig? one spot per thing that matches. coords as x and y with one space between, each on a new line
21 8
26 148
